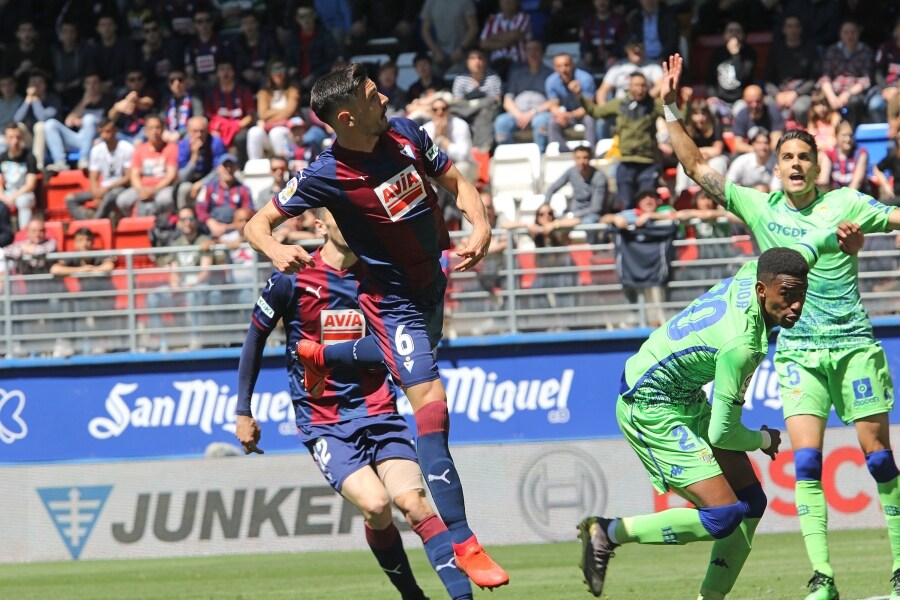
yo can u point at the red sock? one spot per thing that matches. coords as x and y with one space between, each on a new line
429 528
432 418
382 539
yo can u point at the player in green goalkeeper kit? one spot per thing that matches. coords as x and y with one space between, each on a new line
831 358
698 450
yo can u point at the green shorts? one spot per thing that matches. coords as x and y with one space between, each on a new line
856 380
671 441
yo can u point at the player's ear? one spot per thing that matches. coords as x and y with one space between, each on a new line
344 117
760 290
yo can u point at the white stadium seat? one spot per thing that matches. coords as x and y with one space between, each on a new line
516 169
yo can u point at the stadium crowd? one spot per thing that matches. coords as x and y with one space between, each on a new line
169 107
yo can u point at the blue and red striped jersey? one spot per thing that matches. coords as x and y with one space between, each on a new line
216 194
319 303
384 205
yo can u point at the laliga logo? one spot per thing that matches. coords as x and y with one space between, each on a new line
12 426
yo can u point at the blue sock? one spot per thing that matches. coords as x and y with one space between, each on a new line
439 551
387 546
363 352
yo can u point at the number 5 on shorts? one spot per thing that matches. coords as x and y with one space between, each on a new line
793 374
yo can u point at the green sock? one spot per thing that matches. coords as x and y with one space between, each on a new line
727 559
672 526
813 516
889 494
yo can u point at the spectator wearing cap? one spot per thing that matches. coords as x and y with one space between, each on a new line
27 54
154 169
601 37
178 106
231 108
108 171
525 100
563 88
198 153
756 168
756 113
221 196
112 55
277 102
657 25
39 105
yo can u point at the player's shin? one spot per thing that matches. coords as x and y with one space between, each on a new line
811 508
387 546
884 470
730 553
363 352
679 525
439 551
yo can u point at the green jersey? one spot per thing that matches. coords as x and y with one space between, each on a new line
833 316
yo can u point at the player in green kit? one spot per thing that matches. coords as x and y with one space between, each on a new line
690 447
831 358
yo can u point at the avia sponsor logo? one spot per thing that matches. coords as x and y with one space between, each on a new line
473 392
201 403
74 511
342 325
402 192
786 230
236 514
12 425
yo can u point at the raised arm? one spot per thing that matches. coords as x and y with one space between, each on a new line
472 208
712 182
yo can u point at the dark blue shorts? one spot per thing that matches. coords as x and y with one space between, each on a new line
343 448
408 332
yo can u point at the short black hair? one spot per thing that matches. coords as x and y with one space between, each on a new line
85 232
336 89
10 125
645 193
798 134
582 149
420 56
781 261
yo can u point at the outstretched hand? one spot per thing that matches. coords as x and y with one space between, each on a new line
671 74
475 248
850 238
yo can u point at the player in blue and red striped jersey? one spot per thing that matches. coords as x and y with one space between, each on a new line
375 181
352 429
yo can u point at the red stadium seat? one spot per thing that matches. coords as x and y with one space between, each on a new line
134 232
102 229
54 230
58 187
582 256
527 260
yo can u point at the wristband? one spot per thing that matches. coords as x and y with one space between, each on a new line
671 112
766 439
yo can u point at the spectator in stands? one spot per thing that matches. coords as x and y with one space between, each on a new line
374 19
204 51
477 99
93 275
449 132
889 193
79 130
792 69
636 116
658 27
112 55
709 221
27 54
387 87
38 106
160 55
11 13
243 260
311 51
846 163
756 168
6 230
198 153
179 16
822 120
190 262
70 58
648 207
566 106
133 16
893 113
306 140
278 167
504 35
18 175
525 102
154 168
229 12
134 102
887 65
421 92
756 113
590 197
231 109
221 196
294 230
277 101
820 18
617 79
730 68
252 51
601 37
10 101
108 171
848 76
449 29
712 17
336 16
178 107
706 131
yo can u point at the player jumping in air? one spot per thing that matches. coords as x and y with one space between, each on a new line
375 181
694 449
359 442
831 357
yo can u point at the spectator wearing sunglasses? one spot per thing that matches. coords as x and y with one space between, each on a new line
160 55
178 106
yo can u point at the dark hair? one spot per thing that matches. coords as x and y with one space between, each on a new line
582 149
798 134
10 125
336 89
647 192
781 261
85 232
420 56
105 121
637 74
155 117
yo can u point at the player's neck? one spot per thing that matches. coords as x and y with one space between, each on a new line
358 143
802 200
336 258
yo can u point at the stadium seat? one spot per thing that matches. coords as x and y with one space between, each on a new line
874 138
516 169
582 256
505 208
406 59
58 187
134 232
728 138
257 175
761 41
553 148
102 229
406 76
553 168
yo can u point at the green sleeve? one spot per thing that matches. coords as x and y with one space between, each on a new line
817 243
867 212
609 109
746 203
734 367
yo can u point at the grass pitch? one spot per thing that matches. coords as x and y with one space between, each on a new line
777 569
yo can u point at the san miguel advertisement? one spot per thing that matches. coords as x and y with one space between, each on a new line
178 408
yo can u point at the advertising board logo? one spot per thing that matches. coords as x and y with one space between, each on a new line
74 511
558 489
12 425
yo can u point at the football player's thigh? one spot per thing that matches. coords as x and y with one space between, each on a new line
805 395
861 382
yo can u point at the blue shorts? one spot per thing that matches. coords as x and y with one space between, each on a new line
408 332
343 448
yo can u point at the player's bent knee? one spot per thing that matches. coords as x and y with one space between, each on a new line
756 500
721 521
808 464
882 466
374 507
